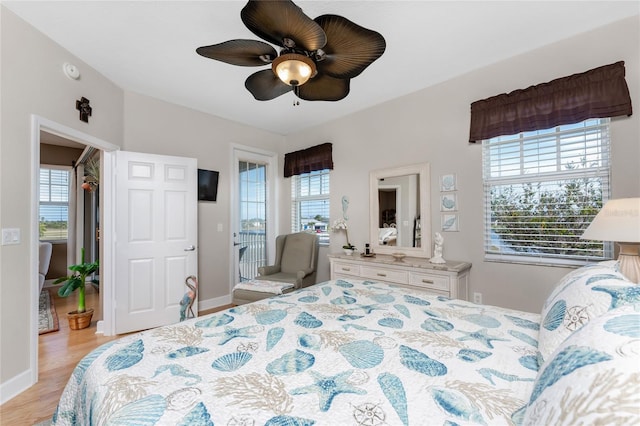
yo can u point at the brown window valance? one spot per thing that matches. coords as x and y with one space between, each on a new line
317 157
597 93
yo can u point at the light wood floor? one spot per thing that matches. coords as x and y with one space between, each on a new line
59 352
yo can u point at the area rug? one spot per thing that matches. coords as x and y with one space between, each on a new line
47 316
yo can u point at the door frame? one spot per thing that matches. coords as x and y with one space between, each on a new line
271 158
39 123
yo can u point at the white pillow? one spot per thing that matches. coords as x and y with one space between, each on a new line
594 375
385 234
579 296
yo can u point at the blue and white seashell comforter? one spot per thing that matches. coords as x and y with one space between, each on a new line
338 353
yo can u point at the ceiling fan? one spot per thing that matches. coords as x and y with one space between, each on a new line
318 57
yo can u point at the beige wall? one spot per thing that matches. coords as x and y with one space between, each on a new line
32 82
159 127
432 125
58 155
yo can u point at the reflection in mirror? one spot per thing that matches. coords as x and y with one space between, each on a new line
399 210
399 196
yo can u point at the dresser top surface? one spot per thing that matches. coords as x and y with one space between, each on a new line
413 262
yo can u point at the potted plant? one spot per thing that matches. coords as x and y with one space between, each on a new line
81 317
91 175
341 224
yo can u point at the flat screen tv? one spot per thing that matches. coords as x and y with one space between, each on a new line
207 185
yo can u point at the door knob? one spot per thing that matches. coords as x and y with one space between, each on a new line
190 248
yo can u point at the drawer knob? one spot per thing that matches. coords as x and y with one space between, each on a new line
381 275
346 269
427 281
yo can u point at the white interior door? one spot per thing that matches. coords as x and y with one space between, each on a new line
155 238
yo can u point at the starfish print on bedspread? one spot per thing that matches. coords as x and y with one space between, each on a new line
328 387
621 295
177 370
363 328
369 308
231 333
481 336
489 373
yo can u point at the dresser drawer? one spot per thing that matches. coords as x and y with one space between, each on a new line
430 281
383 274
340 268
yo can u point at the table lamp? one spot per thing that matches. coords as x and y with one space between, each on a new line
619 221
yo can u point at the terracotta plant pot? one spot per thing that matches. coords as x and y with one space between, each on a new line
78 321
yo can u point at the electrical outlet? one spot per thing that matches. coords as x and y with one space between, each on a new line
477 298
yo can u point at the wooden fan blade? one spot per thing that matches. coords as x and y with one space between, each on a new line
264 85
350 48
276 20
247 53
323 88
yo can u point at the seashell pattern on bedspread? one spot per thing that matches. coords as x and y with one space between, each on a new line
340 352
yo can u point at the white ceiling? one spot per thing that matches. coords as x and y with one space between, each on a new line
148 47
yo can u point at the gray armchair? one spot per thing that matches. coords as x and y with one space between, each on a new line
44 258
296 263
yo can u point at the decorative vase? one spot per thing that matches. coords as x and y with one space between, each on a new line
78 321
348 252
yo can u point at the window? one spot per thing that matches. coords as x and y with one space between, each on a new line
54 203
542 189
310 203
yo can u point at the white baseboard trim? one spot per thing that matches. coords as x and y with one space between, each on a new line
214 303
15 386
100 327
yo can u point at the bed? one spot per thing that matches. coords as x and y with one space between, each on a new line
366 353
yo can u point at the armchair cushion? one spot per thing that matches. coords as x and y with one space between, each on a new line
297 253
284 277
264 286
268 270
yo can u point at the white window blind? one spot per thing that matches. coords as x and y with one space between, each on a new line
54 203
541 191
310 203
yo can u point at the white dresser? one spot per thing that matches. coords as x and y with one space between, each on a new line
449 279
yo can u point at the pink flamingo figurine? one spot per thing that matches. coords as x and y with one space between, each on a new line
186 304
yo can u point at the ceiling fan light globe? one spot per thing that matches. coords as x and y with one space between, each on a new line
293 69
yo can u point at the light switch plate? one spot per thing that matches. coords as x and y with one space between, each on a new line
10 236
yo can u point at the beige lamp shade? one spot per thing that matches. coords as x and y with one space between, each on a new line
293 69
619 221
